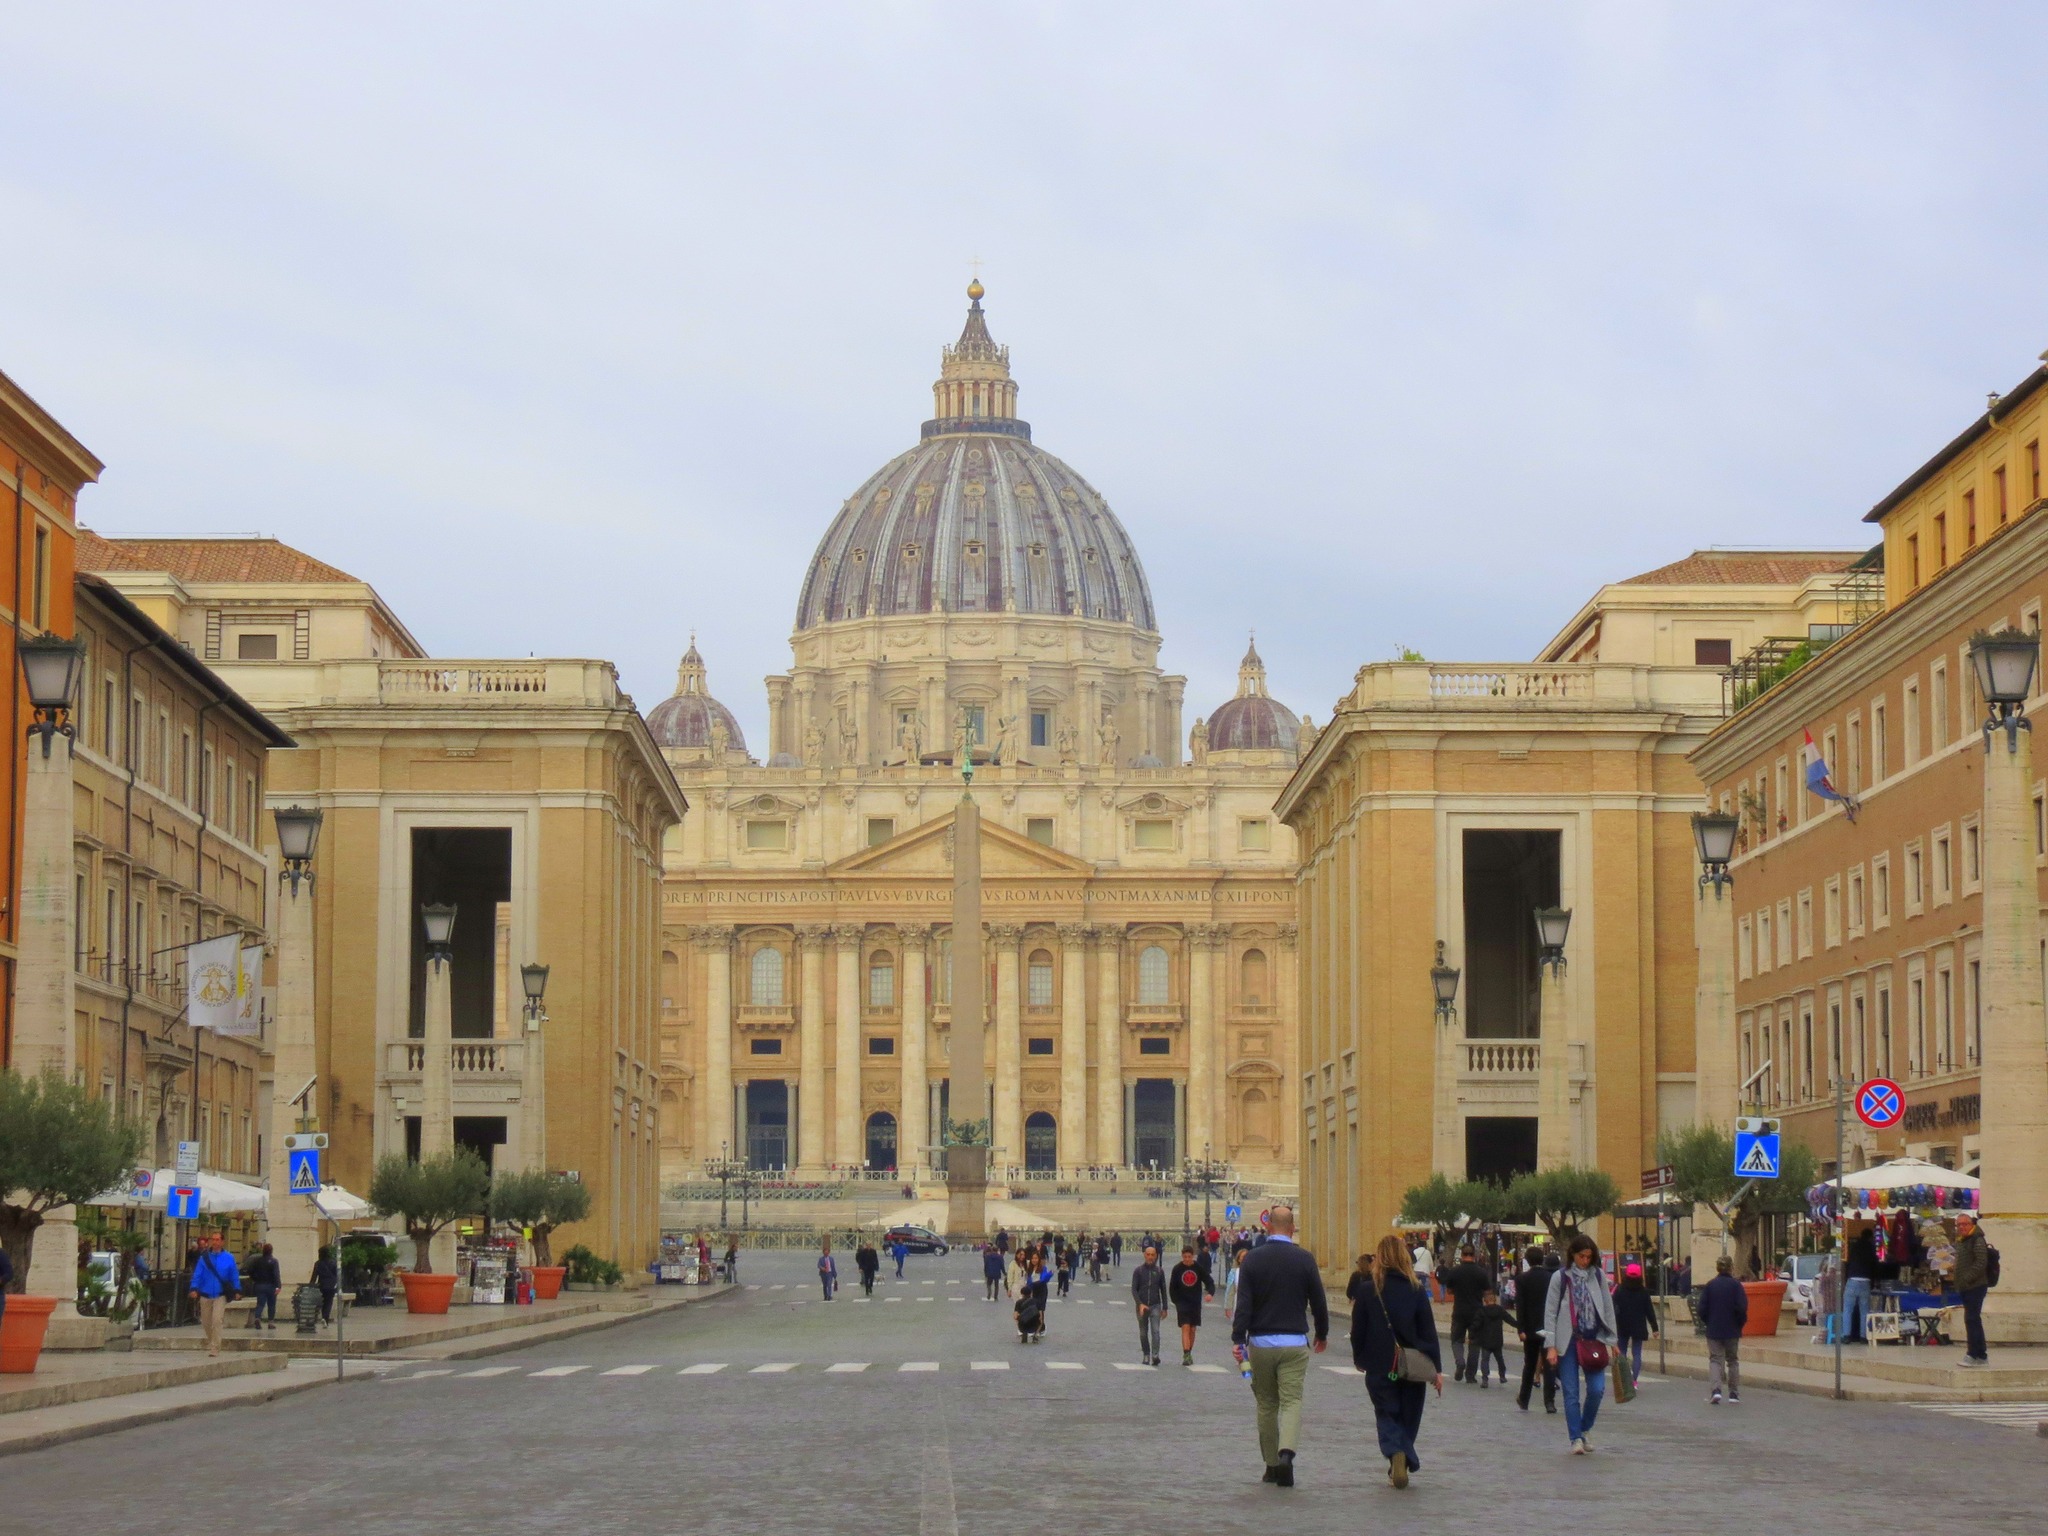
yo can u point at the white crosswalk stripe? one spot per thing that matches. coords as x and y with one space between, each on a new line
629 1370
444 1370
559 1370
700 1369
918 1365
1065 1365
846 1367
892 1298
1125 1365
773 1368
493 1370
1214 1369
2001 1413
2010 1415
989 1365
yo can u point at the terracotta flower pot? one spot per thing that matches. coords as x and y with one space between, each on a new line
21 1333
547 1280
426 1294
1766 1307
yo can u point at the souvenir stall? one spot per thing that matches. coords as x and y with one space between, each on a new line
1907 1208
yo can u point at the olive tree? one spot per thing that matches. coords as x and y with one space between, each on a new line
430 1195
59 1145
1702 1159
540 1202
1561 1198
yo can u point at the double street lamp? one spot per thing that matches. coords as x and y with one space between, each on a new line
728 1170
1202 1173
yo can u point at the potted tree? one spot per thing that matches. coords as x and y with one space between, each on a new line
537 1202
1560 1198
429 1195
59 1146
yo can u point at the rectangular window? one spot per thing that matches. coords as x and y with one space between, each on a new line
1879 755
1944 873
1973 1010
256 647
2033 472
977 724
1937 704
184 785
1973 856
1155 1045
1911 704
1038 1045
1916 1024
1780 798
1969 519
767 835
881 982
1745 950
881 1045
1039 829
1916 890
1859 1047
1763 940
765 1045
1041 727
1829 756
1944 1020
1913 560
1152 833
880 829
1856 902
1834 1039
1806 922
1998 507
1255 834
1854 765
1784 930
1806 1078
40 600
1831 912
1884 1031
1881 890
1038 984
1713 653
1940 541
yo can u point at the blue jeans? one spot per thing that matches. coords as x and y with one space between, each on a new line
266 1305
1578 1418
1635 1357
1397 1414
1855 1307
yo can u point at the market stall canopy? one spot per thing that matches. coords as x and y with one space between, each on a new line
1904 1183
1905 1173
217 1195
337 1204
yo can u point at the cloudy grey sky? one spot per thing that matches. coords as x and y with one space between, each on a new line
570 327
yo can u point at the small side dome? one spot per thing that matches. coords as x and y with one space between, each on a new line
1254 721
690 719
1147 760
785 760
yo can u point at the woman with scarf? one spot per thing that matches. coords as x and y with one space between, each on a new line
1580 1330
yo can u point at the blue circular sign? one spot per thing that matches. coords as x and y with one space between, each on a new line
1880 1103
1233 1213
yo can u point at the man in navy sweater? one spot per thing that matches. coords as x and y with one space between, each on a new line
1278 1286
1724 1309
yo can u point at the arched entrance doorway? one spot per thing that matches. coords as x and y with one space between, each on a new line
881 1140
1041 1143
767 1123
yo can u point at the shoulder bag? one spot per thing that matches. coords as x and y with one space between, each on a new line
1591 1352
1409 1364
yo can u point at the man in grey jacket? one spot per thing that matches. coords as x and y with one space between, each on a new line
1148 1291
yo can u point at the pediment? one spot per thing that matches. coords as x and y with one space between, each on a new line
928 850
1154 803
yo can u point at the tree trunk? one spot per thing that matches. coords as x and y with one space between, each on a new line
543 1255
18 1238
422 1249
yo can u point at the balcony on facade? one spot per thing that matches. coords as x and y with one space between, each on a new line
1548 686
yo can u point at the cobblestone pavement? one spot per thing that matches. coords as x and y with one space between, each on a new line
919 1412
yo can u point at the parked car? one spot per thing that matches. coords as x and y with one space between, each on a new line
1800 1272
916 1239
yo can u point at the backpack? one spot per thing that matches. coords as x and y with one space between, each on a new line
1990 1267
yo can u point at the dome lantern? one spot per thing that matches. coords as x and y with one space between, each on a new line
690 719
1253 721
974 391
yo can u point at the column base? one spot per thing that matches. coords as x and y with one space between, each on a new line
2020 1300
967 1193
53 1266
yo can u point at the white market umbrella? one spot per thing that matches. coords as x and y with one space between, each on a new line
217 1195
1904 1173
337 1204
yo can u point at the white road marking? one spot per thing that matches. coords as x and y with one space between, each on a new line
924 1298
446 1370
1084 1301
559 1370
1213 1369
774 1367
918 1365
949 1298
700 1369
493 1370
629 1370
892 1298
1125 1365
783 1287
927 1282
2006 1415
990 1365
1065 1365
1340 1370
846 1368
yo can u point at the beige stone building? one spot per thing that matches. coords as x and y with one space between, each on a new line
528 793
1141 897
1444 804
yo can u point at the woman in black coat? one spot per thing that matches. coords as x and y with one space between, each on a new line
1389 1308
1635 1316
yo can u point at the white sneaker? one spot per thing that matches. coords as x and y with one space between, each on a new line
1587 1442
1714 1398
1578 1447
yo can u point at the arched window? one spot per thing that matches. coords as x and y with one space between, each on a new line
1153 973
881 1140
1252 976
765 980
1041 1143
1257 1119
1038 980
882 980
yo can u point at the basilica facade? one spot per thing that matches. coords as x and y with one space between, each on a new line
977 599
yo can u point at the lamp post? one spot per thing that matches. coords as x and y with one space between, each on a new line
437 1083
294 1222
45 981
1445 1153
1713 1010
1555 1141
533 1093
724 1168
2014 1068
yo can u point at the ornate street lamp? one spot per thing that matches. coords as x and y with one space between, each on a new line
534 978
1443 980
52 667
1713 835
298 835
2005 664
438 917
1552 924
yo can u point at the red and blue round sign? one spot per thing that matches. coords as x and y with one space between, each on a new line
1880 1104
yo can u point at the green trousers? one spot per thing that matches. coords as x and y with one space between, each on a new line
1277 1379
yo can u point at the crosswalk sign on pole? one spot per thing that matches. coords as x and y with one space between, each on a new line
303 1166
1756 1155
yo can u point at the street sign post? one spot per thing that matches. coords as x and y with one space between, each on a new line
1756 1154
1880 1104
302 1164
188 1159
183 1203
1233 1213
1655 1179
141 1184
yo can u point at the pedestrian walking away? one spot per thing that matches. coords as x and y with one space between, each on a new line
1859 1269
1148 1294
265 1281
1098 1260
326 1277
1186 1287
992 1270
1724 1309
1393 1330
869 1263
215 1282
1116 1250
1466 1282
1425 1266
1489 1336
828 1269
1976 1264
1635 1316
1578 1327
1532 1296
1065 1269
732 1261
1278 1288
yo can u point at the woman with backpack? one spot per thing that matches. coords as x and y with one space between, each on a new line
1394 1343
1580 1331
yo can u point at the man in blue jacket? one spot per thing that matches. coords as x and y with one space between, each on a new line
215 1282
1724 1309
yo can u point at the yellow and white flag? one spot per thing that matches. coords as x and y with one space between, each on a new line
213 984
248 994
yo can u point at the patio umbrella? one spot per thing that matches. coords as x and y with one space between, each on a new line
217 1195
337 1204
1906 1173
1904 1183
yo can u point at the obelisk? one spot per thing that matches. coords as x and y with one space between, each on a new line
967 1097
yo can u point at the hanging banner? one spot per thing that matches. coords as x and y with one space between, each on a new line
213 984
248 994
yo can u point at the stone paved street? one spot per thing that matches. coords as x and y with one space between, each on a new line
917 1412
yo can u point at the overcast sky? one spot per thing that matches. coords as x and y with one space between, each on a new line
570 327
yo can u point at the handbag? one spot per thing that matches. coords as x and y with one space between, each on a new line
1624 1378
1592 1353
1409 1364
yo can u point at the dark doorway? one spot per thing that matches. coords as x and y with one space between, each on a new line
1153 1105
1508 875
767 1124
881 1140
1041 1143
482 1134
1498 1147
472 868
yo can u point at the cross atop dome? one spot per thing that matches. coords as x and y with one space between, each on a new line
1251 673
974 388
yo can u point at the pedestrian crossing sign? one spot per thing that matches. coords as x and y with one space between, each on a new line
303 1166
1756 1155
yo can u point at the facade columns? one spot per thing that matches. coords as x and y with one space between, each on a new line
849 1148
291 1226
1109 1046
1715 1067
2014 1197
1073 1045
1203 943
45 986
715 945
810 1089
1287 1145
1008 1131
1554 1139
913 1127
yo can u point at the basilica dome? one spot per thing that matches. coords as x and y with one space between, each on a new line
976 518
687 719
1254 721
